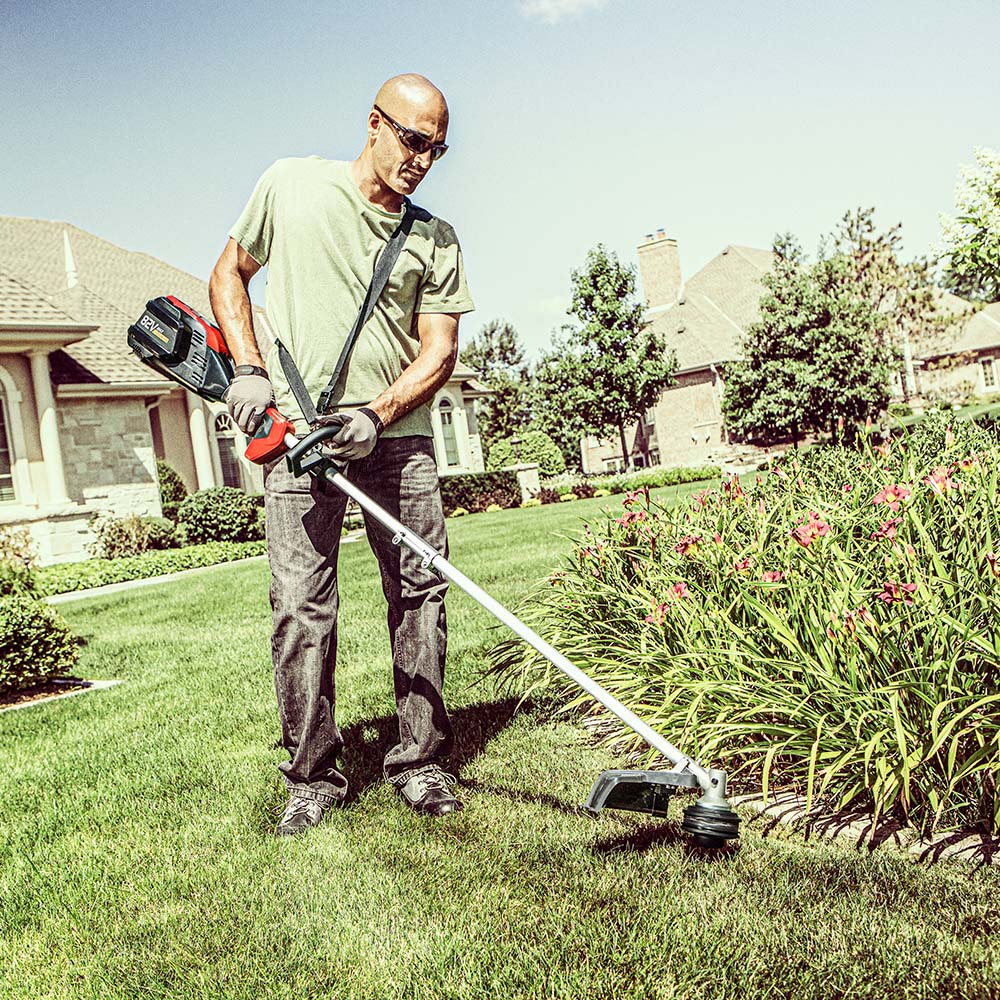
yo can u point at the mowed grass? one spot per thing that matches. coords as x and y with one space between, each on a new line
136 858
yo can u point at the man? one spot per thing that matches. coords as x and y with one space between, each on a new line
319 226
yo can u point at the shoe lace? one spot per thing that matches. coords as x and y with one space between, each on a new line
299 805
434 778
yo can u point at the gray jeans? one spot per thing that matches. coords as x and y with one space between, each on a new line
304 518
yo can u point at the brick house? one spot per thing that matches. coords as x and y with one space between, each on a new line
82 422
703 319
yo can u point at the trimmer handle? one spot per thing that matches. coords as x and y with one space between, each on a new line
269 441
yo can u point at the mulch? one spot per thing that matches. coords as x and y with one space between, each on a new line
62 686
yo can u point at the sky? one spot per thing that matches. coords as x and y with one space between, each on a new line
573 122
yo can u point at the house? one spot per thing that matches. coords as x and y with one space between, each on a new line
702 321
82 421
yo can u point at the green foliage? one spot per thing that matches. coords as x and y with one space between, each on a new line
172 489
161 533
17 562
220 514
584 490
115 537
831 334
35 644
475 491
547 495
620 482
64 577
531 446
496 353
609 369
971 238
831 628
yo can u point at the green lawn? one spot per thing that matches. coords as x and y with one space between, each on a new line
136 860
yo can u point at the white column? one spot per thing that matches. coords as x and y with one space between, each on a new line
198 429
461 425
48 427
439 449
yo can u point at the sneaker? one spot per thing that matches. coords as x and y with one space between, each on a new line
427 790
301 814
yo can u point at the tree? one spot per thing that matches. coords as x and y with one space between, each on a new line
819 352
971 239
604 373
495 352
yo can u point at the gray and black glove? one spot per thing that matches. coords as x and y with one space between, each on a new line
248 397
359 432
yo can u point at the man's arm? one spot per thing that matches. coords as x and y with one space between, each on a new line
431 369
248 395
227 291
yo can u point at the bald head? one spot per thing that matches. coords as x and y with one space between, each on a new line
413 94
407 129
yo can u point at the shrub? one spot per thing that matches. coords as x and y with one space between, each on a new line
17 562
161 533
546 495
567 497
35 644
172 489
115 537
477 490
531 502
458 512
493 508
533 446
220 514
584 491
66 577
831 627
602 493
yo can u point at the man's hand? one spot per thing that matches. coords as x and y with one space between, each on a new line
357 436
248 397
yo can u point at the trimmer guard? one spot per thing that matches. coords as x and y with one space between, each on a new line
637 791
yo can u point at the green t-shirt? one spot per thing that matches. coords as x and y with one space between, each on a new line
319 237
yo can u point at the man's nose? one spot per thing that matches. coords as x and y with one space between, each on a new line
423 160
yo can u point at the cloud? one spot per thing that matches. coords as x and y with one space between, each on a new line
554 11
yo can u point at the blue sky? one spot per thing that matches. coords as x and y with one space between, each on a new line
573 121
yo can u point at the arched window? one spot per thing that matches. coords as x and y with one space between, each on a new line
447 413
226 433
6 456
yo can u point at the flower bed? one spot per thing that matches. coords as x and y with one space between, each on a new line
831 628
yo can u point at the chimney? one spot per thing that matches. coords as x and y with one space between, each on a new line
660 269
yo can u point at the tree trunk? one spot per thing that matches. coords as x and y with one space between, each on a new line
621 433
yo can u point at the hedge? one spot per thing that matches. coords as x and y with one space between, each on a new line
35 644
476 491
621 482
220 514
65 577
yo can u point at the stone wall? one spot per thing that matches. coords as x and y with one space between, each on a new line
108 455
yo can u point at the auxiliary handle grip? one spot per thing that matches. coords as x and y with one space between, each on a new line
305 456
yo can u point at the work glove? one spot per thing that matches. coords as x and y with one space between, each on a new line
357 437
248 397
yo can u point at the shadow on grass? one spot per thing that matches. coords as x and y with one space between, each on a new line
367 741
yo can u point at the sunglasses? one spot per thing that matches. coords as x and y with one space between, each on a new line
414 141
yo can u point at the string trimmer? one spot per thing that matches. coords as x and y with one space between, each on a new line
179 343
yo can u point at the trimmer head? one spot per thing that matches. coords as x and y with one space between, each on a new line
710 821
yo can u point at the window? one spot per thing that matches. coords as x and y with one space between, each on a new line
445 409
229 459
989 374
6 459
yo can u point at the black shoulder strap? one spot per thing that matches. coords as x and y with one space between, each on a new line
383 268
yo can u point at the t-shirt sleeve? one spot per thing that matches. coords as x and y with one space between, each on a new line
254 228
444 289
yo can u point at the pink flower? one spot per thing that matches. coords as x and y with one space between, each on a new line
780 473
859 616
732 489
847 487
968 463
656 617
940 480
883 449
761 506
701 498
892 495
634 496
772 576
893 592
743 565
680 590
809 530
991 558
631 517
717 538
887 529
688 545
